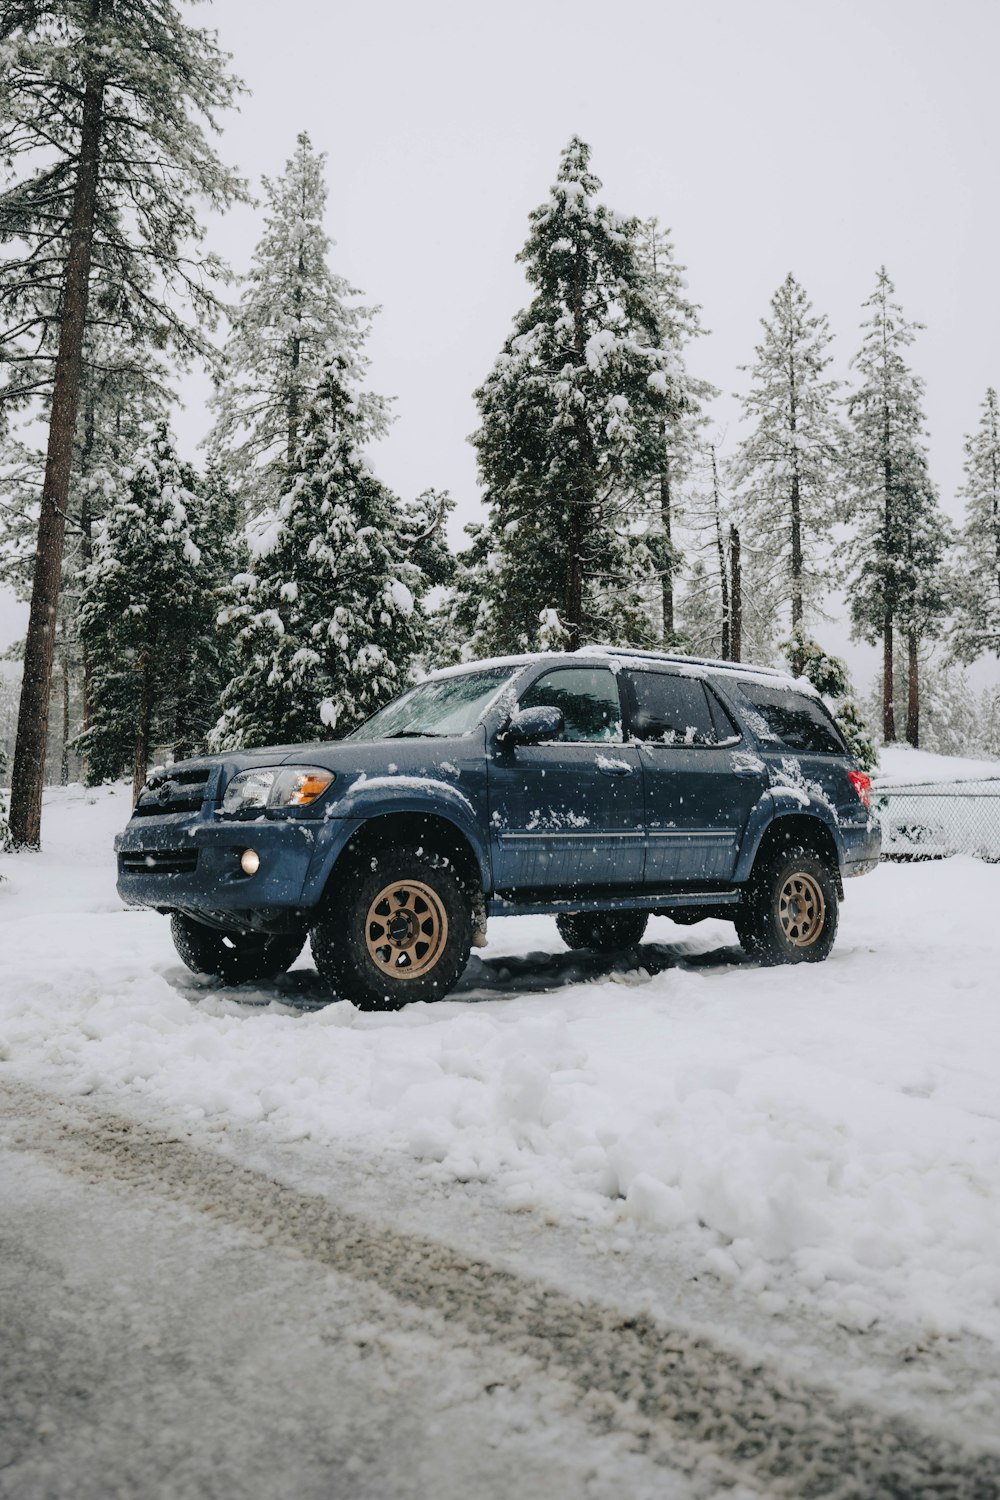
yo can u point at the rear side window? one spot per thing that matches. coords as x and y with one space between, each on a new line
797 721
588 697
672 710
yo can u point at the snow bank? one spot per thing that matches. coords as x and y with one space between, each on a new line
901 764
828 1134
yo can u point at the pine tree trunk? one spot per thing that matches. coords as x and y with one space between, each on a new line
33 716
735 597
64 757
86 558
913 690
143 731
574 577
888 685
726 642
667 585
797 657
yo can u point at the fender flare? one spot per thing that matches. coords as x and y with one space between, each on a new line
383 796
780 802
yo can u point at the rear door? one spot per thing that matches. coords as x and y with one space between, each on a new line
700 780
567 815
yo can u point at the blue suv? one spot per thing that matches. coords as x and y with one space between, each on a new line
600 786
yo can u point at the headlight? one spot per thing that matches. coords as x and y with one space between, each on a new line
275 786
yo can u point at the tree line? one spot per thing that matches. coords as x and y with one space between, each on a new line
280 591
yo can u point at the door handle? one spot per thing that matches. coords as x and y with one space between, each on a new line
619 769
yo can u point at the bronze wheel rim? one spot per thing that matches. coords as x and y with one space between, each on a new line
801 909
406 929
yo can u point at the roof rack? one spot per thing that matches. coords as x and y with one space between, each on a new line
680 659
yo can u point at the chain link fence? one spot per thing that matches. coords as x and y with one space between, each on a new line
932 820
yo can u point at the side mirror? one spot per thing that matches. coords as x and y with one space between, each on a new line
532 725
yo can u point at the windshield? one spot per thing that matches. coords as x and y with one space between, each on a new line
441 706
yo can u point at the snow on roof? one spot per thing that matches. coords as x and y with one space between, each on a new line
483 665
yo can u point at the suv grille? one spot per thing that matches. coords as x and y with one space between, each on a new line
159 861
184 791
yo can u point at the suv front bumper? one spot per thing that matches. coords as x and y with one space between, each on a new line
180 864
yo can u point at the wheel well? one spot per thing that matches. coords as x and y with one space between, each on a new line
415 828
804 832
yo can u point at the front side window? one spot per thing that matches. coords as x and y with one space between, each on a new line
794 719
673 710
588 697
440 706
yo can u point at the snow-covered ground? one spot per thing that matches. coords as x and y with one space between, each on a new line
901 764
823 1136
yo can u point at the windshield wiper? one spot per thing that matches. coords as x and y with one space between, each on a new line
414 734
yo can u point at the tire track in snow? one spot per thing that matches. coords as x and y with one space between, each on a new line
676 1397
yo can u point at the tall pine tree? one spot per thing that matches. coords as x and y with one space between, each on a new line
294 314
678 322
786 468
325 622
147 612
570 438
976 629
105 157
892 506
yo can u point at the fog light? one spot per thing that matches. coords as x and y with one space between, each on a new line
249 861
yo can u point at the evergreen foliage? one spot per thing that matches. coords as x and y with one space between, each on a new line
326 623
976 628
294 313
571 428
104 160
678 322
787 469
895 552
151 287
147 615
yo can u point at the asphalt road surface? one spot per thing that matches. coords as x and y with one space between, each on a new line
177 1321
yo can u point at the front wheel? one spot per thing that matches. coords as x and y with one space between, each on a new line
235 956
604 931
789 910
395 929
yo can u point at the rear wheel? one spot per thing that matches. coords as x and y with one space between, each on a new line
236 956
396 927
604 931
790 909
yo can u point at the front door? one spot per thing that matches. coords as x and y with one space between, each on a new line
699 782
567 814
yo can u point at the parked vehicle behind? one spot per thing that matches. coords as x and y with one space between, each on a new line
601 786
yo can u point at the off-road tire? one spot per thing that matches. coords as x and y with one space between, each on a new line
603 931
396 927
233 956
790 908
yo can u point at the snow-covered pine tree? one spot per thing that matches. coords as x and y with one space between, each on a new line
101 105
976 628
146 608
678 322
892 509
325 621
293 311
570 435
787 468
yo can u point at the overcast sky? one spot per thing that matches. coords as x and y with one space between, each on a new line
770 136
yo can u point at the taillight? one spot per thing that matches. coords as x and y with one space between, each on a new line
862 784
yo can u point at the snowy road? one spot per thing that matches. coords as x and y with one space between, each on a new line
194 1326
671 1224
